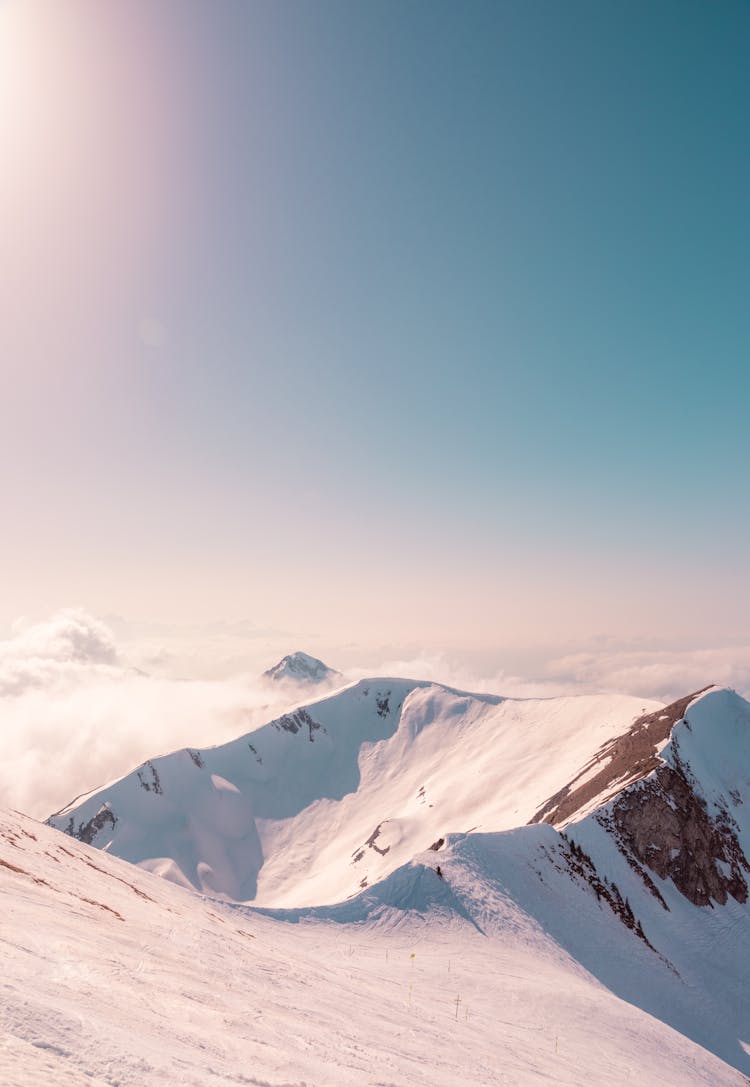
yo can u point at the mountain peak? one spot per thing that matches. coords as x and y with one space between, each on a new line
301 668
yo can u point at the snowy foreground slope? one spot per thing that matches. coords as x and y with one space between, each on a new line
333 796
112 976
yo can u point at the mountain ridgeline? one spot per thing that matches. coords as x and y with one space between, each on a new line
620 827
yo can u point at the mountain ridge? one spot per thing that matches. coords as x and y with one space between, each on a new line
665 924
332 795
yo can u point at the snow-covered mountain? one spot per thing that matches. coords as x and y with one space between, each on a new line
334 795
112 976
599 831
303 669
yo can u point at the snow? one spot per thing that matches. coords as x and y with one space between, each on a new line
325 949
706 994
112 976
301 668
413 761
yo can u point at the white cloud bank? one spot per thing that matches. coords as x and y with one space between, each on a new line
66 646
661 674
75 713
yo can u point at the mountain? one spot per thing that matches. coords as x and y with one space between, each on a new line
332 796
113 976
603 832
302 668
643 879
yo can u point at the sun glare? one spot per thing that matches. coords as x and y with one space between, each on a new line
32 87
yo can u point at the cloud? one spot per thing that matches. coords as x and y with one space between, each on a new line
215 650
645 672
75 714
661 674
439 668
69 635
45 654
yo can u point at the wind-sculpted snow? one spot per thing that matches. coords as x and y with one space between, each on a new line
618 762
111 976
331 797
192 816
535 886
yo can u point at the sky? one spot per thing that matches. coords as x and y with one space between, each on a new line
399 332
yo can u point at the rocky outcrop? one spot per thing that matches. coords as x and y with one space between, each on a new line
383 704
86 832
664 824
657 813
371 844
293 722
580 865
620 762
148 776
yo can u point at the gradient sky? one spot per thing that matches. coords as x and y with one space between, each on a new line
410 322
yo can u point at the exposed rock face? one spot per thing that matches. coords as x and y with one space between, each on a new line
86 832
582 866
665 825
383 704
371 841
624 760
293 722
656 812
148 776
371 844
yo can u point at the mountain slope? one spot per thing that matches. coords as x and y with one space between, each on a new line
111 976
335 795
665 858
301 668
648 891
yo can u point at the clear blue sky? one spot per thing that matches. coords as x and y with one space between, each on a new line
343 315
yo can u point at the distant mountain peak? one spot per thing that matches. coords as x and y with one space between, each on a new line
302 668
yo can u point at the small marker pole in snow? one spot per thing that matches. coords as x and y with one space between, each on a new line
412 957
458 1001
557 1051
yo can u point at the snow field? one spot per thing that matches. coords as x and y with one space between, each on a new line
112 976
